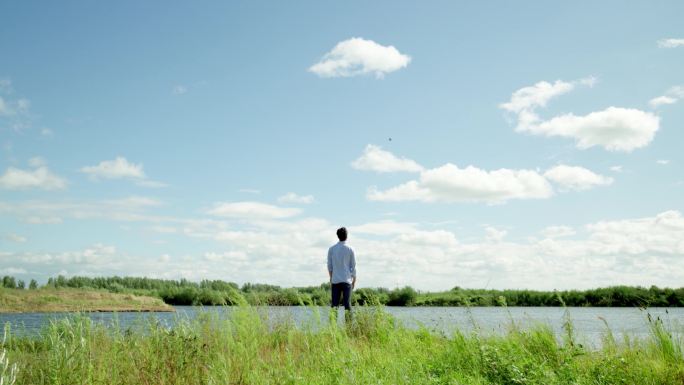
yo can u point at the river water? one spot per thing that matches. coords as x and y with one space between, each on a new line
590 324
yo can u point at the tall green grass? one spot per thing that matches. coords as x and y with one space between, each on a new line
245 348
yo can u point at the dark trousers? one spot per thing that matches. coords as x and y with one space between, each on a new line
343 290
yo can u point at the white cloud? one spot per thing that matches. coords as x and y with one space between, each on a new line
616 168
38 220
558 232
614 128
12 271
46 132
576 178
121 168
294 198
538 95
670 43
663 162
374 158
114 169
358 56
15 238
252 210
129 209
662 100
38 178
151 183
672 96
249 191
494 234
640 251
449 183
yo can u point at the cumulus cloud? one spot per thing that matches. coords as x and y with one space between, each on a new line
295 198
638 251
40 177
252 210
115 169
576 178
663 162
374 158
672 96
449 183
614 128
670 43
358 56
494 234
121 168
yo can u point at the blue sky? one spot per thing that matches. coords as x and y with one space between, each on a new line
532 145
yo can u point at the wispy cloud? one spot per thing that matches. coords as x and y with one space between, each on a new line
250 191
670 43
296 198
252 210
15 112
672 96
358 56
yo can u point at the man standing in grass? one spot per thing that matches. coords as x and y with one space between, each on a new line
342 272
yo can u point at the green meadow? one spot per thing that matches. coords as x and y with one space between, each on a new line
244 348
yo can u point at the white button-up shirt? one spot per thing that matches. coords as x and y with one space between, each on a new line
341 263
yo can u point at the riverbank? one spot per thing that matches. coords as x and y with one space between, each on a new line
75 300
245 349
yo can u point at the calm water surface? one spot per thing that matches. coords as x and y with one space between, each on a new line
589 323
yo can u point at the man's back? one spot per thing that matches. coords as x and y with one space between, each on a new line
342 263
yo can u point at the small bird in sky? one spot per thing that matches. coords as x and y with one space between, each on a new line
390 139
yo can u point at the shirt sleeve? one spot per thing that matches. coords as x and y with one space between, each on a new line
330 260
352 264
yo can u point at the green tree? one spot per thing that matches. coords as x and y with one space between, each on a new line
33 285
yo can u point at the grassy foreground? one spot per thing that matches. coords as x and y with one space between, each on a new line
244 349
69 300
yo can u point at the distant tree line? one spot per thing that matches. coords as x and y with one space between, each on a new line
217 292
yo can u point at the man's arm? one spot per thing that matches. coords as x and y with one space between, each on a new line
352 268
330 265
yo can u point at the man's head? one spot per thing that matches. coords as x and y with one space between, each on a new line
342 234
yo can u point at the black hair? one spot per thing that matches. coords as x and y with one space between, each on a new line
342 234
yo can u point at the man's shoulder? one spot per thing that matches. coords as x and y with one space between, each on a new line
341 245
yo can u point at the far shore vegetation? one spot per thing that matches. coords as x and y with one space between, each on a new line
148 293
75 300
